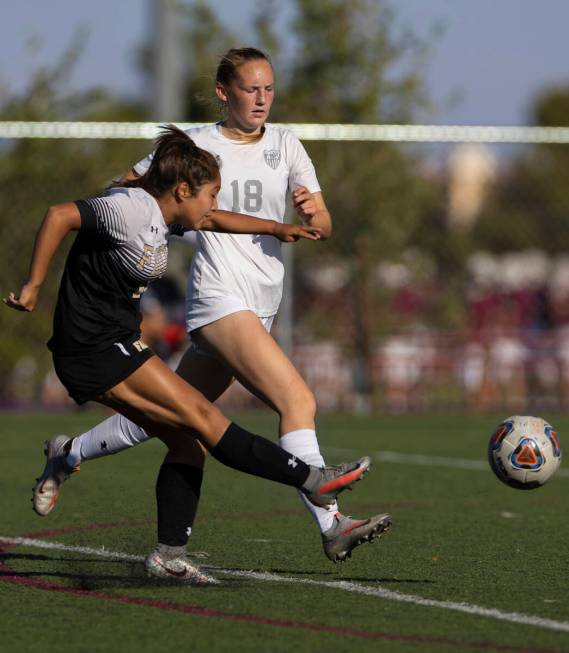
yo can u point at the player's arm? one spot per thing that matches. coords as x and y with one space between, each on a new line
239 223
130 176
57 223
312 210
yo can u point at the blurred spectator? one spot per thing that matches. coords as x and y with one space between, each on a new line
472 371
153 327
507 357
562 342
558 292
22 382
163 328
53 393
406 364
327 373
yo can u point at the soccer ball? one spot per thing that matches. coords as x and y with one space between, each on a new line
524 452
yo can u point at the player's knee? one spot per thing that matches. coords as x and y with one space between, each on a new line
300 401
202 416
206 410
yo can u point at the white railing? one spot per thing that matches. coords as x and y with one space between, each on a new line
305 131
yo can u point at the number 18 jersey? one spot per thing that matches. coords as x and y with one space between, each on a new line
255 179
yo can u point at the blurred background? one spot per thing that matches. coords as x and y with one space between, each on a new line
445 286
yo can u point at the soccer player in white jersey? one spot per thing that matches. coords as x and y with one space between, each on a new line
234 291
122 245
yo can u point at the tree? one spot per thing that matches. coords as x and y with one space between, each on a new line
35 173
352 64
530 204
206 40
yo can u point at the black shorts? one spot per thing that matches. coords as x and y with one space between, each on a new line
87 376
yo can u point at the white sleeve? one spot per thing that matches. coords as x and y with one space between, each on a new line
302 172
113 219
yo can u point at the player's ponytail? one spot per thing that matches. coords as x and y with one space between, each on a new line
176 158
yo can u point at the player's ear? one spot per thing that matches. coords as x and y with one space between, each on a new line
220 92
182 191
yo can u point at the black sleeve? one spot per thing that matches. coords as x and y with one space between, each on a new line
88 216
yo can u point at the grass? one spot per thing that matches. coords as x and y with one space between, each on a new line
459 536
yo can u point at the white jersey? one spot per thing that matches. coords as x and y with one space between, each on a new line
244 269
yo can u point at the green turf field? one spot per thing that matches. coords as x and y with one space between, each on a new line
470 564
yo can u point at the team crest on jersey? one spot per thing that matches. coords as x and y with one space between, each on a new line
272 158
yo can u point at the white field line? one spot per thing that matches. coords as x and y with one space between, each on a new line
419 459
346 586
44 544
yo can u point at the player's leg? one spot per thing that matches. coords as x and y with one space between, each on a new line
163 403
211 378
65 455
117 433
178 488
178 484
112 435
241 340
260 364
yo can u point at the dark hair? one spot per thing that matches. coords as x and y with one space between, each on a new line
235 57
176 158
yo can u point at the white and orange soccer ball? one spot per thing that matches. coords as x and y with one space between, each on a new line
524 452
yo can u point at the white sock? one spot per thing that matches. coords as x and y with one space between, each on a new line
304 445
111 436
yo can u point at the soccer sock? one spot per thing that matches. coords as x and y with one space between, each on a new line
178 489
303 444
111 436
171 552
258 456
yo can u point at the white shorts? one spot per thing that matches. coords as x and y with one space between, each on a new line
206 311
200 312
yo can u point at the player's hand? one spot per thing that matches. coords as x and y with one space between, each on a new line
25 301
290 233
303 203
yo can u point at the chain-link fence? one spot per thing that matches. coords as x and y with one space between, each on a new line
444 288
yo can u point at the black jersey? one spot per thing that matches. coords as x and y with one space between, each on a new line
122 246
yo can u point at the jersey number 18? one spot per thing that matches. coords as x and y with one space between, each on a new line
252 196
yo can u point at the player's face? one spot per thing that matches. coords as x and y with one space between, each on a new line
196 207
249 96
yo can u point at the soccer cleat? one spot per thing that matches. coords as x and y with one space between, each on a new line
324 484
347 533
54 475
179 569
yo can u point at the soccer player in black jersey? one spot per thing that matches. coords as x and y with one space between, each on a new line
122 245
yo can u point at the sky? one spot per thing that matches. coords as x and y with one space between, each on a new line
491 60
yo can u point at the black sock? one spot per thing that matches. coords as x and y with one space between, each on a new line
260 457
177 494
